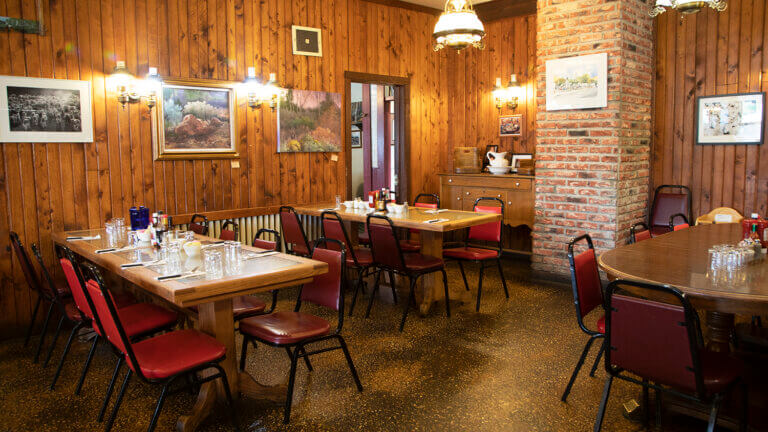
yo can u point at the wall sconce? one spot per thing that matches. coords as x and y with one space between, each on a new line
508 95
260 94
130 90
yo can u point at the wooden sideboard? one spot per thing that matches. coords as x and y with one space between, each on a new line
459 192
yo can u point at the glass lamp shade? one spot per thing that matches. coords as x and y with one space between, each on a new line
458 27
121 80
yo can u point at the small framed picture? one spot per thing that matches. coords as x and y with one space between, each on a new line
730 119
517 157
357 141
307 41
511 125
45 110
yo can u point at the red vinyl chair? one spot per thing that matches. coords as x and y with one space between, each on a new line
293 232
262 243
660 345
358 259
297 331
677 227
388 256
160 359
415 245
639 232
587 296
489 232
199 224
229 231
668 200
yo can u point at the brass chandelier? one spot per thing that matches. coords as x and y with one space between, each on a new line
458 27
686 7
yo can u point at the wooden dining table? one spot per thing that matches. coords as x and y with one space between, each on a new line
430 233
681 259
259 273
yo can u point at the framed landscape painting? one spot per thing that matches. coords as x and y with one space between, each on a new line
730 119
309 121
577 82
195 119
45 110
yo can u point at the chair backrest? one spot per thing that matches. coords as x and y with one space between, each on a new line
491 231
639 232
432 205
585 279
229 231
652 339
725 214
678 227
666 204
327 289
46 284
262 243
385 246
293 232
75 281
199 224
333 228
26 267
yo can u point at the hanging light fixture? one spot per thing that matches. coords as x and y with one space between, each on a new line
458 27
686 7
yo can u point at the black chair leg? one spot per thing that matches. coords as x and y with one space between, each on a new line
349 362
110 389
479 287
228 394
119 401
32 321
53 343
447 296
564 397
358 286
463 275
393 286
74 331
411 298
291 382
503 279
713 413
603 403
373 294
306 359
42 334
158 407
243 353
86 365
597 360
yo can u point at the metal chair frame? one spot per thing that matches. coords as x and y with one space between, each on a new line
675 216
236 228
436 197
203 225
633 230
292 211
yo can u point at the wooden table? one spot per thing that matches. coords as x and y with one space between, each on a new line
431 237
681 259
214 300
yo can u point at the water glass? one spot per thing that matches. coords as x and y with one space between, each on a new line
212 263
173 259
112 234
338 201
234 260
189 235
133 239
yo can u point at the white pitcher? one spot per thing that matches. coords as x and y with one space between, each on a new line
497 159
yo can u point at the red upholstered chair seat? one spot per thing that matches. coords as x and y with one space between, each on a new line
719 370
144 318
171 353
123 299
363 238
243 307
285 327
410 245
418 262
601 324
363 255
470 253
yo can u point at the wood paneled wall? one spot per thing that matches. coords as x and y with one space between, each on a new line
50 187
709 53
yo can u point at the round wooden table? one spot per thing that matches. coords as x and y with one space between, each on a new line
681 259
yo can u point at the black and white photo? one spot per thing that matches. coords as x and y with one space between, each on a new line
730 119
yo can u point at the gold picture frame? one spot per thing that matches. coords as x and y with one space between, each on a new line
193 118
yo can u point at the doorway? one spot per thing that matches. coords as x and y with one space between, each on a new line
377 134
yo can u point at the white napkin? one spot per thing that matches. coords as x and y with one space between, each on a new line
74 238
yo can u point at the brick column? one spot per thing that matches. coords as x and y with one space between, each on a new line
592 165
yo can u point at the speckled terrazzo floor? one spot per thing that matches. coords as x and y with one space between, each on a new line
502 369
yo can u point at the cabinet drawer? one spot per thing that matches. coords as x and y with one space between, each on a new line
521 184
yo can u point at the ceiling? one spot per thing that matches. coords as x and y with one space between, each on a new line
438 4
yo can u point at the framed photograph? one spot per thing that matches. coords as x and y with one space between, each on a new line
307 41
511 125
730 119
195 119
45 110
357 139
577 82
309 121
517 157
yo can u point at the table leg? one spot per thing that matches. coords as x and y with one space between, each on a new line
432 244
719 329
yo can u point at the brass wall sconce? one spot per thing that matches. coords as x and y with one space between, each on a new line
129 90
508 95
261 93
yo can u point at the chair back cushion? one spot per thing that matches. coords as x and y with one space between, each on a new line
385 246
333 229
681 226
197 228
76 288
292 232
642 235
425 205
228 235
325 289
264 244
109 321
490 231
588 288
650 339
666 205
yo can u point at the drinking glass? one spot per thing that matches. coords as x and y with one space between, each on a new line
189 235
233 257
212 263
338 201
112 236
173 259
133 239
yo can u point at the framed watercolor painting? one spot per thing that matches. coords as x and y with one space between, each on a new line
309 121
45 110
511 125
195 119
730 119
577 82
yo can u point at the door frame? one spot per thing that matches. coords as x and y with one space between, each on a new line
402 120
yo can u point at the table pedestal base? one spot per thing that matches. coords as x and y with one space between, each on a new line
719 330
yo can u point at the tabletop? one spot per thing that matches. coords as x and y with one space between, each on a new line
681 259
259 272
414 217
